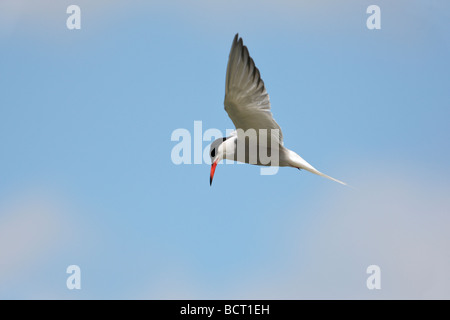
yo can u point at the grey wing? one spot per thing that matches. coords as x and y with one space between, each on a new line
246 99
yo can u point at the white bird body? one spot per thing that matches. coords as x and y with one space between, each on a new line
258 137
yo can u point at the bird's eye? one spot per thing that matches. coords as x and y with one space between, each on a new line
213 153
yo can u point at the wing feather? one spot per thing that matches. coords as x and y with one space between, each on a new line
246 99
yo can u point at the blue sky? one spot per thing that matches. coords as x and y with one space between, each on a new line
86 176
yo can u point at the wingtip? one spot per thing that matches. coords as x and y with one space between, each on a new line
236 42
236 38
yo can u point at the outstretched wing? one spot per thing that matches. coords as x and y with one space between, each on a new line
246 99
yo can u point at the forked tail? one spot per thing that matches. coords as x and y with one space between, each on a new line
325 176
298 162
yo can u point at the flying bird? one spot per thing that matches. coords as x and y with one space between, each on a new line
248 106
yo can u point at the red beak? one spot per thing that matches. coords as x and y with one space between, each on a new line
213 169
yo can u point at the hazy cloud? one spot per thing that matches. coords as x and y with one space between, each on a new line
32 226
391 220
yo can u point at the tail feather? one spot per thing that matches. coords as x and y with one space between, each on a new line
325 176
298 162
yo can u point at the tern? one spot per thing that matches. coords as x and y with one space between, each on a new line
248 106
